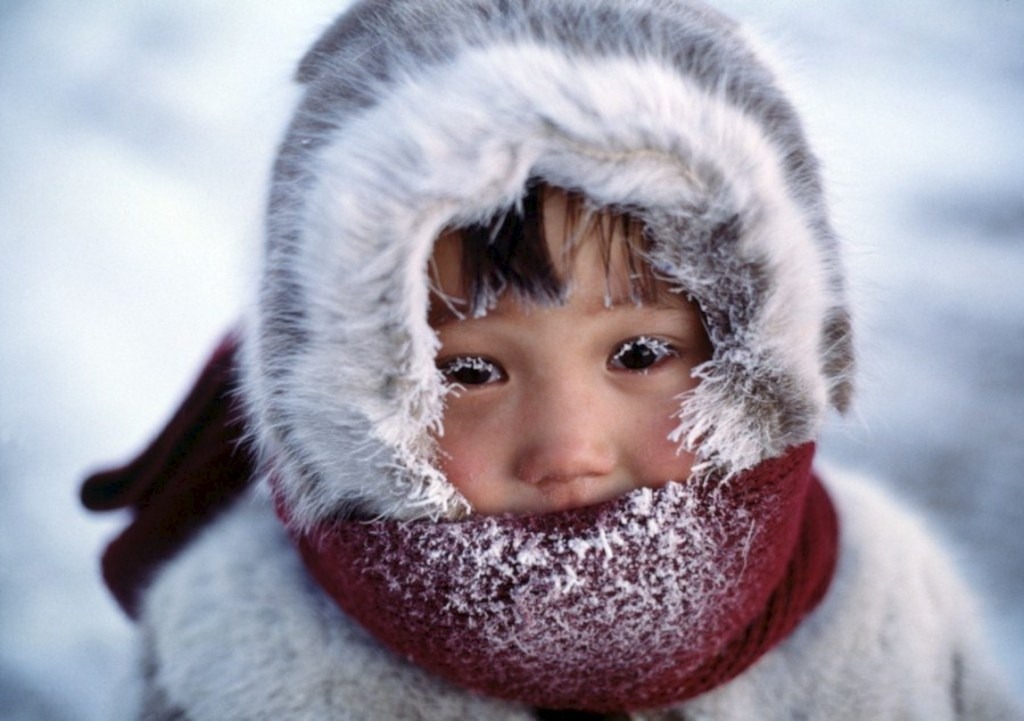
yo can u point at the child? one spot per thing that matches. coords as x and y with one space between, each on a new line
550 315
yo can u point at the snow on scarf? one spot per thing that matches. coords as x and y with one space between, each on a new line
639 602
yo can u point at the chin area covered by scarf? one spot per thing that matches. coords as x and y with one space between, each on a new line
639 602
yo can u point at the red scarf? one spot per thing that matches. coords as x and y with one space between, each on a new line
771 533
640 602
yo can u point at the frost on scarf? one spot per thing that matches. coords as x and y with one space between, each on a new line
598 608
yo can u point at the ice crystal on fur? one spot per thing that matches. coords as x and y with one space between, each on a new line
694 138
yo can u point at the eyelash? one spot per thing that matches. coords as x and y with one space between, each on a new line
476 371
469 367
656 352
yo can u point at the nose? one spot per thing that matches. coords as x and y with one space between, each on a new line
566 434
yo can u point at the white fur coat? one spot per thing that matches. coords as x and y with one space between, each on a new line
235 631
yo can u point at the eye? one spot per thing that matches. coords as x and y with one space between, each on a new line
641 354
471 371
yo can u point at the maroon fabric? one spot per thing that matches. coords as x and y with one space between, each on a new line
374 571
192 470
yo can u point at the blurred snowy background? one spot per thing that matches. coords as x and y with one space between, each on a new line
134 144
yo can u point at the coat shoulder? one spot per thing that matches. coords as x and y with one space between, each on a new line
234 629
896 637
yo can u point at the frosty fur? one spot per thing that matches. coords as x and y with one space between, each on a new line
418 115
236 631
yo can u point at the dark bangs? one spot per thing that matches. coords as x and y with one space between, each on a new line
511 252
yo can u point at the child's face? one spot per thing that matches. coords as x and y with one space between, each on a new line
567 406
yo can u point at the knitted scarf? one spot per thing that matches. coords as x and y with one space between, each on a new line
639 602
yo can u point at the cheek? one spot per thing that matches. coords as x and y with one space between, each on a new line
469 457
659 459
460 462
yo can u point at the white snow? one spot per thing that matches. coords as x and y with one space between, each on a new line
134 146
546 604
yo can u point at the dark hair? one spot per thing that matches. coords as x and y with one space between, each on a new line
511 251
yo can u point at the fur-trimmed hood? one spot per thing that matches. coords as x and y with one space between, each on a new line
420 114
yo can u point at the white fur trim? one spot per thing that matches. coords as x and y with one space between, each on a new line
348 417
